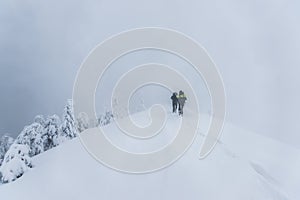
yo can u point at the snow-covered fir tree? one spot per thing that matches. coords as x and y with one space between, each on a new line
106 118
68 128
16 162
40 119
82 122
51 131
5 142
32 136
119 110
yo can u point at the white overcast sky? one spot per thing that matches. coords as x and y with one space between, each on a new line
255 44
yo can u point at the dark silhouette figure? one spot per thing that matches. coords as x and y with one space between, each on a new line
174 101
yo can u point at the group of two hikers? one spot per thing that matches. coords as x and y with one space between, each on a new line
178 101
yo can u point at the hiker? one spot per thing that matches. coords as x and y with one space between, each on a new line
174 102
181 100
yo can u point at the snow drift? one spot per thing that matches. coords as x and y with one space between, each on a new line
243 165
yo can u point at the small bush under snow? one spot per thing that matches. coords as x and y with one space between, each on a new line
16 162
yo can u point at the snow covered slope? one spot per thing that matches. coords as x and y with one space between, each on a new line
243 165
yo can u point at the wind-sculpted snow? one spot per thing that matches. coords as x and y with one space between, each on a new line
243 166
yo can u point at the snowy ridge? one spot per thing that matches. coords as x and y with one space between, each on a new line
243 165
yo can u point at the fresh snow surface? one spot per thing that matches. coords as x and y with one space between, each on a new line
243 165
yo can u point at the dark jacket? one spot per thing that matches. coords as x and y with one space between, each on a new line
174 99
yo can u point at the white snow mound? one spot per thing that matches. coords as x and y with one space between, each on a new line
243 165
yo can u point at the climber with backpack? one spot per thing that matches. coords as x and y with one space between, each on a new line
181 101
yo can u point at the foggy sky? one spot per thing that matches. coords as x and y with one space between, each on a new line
255 44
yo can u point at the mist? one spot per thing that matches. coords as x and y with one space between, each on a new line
255 45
